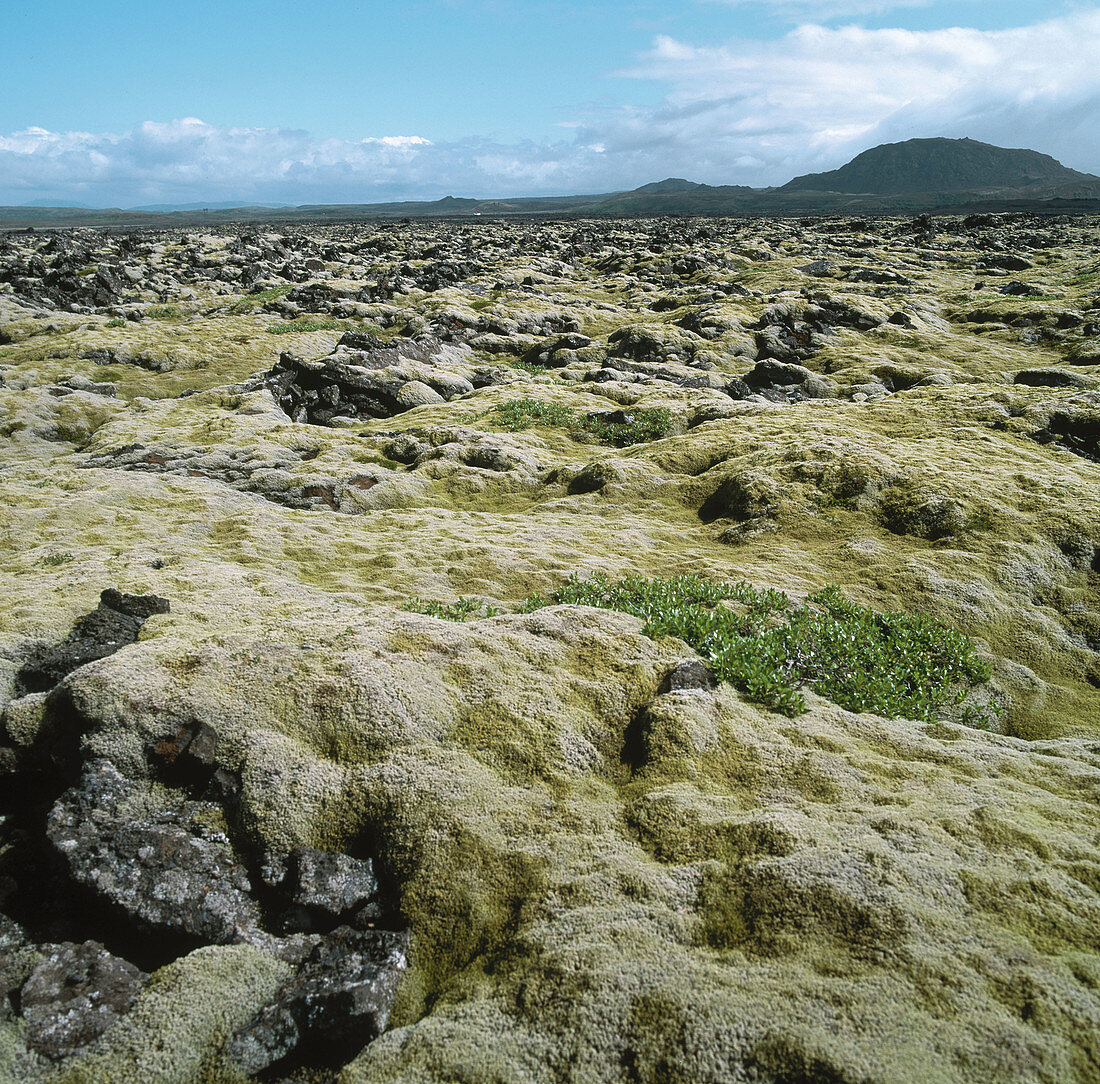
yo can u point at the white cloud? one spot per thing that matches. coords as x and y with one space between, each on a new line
817 95
742 112
187 159
825 9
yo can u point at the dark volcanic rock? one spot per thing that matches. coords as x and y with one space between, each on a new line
74 994
113 624
1049 378
781 382
332 882
324 888
690 674
172 869
1004 262
1076 431
1019 289
362 379
338 1001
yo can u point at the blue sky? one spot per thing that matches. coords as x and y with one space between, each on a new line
114 103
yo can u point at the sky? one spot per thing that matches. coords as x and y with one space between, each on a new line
124 103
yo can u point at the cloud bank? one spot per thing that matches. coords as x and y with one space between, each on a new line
743 112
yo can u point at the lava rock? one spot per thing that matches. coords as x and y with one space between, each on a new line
338 1001
113 624
1005 262
166 867
1075 431
689 674
1049 378
1019 289
786 383
74 995
335 883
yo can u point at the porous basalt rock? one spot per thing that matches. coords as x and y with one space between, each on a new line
170 869
74 994
338 1000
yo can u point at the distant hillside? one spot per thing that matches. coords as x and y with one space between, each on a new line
670 184
949 165
200 206
56 203
942 176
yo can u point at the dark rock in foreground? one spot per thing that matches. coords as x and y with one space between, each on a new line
170 869
339 999
74 995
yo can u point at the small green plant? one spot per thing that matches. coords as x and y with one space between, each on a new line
894 664
519 414
164 312
460 610
491 298
532 367
648 423
52 560
325 323
116 321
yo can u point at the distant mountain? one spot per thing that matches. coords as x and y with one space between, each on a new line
56 203
670 184
948 165
168 207
947 176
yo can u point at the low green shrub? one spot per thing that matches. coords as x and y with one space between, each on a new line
532 367
324 323
648 423
455 611
893 664
52 560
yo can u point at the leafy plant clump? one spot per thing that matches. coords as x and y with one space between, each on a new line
252 301
650 423
460 610
893 664
325 323
164 312
52 560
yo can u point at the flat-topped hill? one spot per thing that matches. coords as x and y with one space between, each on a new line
947 165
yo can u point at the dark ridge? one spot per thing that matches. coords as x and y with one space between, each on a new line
947 165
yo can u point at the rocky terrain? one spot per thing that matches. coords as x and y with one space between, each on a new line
313 768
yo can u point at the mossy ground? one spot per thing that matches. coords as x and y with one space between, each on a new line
602 878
